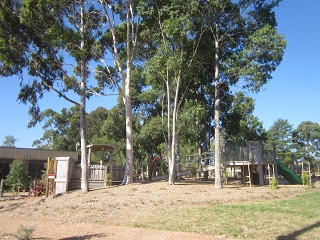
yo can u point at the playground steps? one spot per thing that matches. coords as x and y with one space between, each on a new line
271 172
248 177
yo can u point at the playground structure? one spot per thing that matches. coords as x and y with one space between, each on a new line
64 175
252 163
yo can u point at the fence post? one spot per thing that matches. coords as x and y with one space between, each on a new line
1 188
260 167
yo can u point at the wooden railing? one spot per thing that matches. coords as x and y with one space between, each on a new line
97 174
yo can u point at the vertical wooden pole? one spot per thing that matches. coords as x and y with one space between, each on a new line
47 178
55 163
243 175
199 162
89 156
273 173
102 157
259 153
275 161
68 173
249 174
110 155
269 173
2 172
310 175
1 188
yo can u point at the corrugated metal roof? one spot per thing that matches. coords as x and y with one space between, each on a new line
10 153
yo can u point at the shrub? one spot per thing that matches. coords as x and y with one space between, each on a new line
18 176
274 184
24 233
305 178
108 179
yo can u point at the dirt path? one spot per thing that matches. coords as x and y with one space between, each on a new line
66 231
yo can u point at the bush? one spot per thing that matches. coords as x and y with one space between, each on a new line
24 233
305 178
108 179
18 176
274 184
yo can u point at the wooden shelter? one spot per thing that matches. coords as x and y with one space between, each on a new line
103 148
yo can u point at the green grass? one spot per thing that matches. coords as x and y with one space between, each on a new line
295 218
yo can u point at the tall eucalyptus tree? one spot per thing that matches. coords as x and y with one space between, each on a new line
171 39
121 37
246 49
52 42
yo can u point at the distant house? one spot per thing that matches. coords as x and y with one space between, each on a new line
36 159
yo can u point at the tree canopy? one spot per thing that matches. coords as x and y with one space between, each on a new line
9 141
180 69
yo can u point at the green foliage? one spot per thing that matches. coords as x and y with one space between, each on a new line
305 178
280 133
61 130
239 123
274 184
43 38
9 141
24 233
18 176
108 179
95 121
307 141
150 138
263 52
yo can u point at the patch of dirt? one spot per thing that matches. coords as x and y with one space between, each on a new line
114 212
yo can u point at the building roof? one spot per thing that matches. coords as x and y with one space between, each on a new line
11 153
100 147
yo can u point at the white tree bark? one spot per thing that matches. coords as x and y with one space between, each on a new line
83 86
172 163
128 175
217 173
131 42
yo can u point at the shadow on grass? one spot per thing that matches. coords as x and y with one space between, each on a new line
84 237
295 234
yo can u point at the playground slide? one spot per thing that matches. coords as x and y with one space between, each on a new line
288 174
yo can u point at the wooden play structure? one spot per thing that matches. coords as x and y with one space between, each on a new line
63 174
251 163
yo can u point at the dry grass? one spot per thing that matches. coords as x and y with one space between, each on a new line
235 211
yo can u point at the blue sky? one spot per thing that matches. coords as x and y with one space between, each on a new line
292 93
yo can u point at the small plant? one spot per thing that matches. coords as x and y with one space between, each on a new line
108 179
24 233
305 178
225 176
274 184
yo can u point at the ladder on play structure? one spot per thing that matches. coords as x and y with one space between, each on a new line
271 174
248 177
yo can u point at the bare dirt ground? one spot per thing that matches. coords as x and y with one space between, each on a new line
117 212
